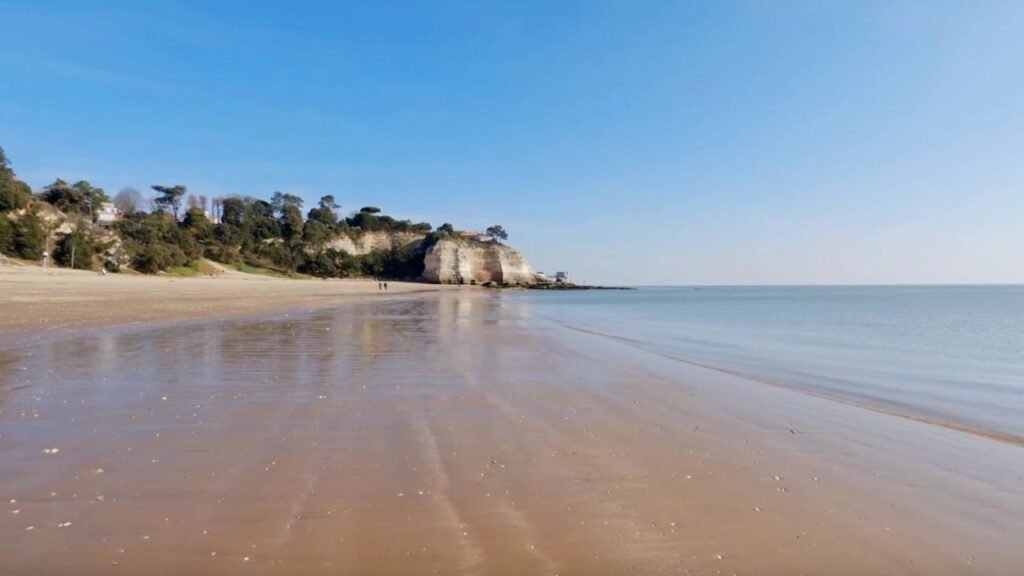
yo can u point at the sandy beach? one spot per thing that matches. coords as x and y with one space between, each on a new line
444 432
52 299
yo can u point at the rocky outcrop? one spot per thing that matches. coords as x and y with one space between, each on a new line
366 242
451 261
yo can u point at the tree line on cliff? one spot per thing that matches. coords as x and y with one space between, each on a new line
174 230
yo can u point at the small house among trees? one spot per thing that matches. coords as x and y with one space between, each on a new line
108 214
474 235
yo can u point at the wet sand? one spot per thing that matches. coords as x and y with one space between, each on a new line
454 433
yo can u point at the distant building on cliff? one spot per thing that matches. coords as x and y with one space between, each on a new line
473 235
108 214
561 276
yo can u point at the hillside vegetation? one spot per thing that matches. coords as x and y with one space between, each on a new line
175 229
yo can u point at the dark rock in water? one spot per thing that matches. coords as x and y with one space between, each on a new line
569 286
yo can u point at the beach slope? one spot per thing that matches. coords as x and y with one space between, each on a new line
457 433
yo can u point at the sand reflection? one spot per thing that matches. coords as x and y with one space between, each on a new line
445 434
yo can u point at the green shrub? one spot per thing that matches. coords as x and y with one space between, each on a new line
404 262
155 242
333 263
322 264
6 234
14 194
280 255
224 253
29 238
75 250
156 257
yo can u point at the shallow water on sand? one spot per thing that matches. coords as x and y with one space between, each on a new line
953 354
464 433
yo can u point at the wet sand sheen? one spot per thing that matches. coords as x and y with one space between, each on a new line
453 433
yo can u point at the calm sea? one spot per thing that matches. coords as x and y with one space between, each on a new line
948 353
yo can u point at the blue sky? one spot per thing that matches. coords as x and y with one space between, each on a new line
627 142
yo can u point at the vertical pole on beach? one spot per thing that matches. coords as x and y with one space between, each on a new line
72 256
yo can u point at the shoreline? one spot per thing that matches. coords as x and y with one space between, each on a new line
455 432
932 420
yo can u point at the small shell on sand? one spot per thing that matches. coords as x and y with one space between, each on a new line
51 450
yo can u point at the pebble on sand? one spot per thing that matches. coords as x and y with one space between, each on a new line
51 450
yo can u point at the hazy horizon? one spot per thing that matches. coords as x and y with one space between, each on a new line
650 143
848 285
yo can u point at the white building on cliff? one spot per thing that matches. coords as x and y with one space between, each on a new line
107 214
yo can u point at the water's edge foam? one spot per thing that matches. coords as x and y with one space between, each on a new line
647 347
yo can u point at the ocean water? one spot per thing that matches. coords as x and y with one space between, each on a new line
949 354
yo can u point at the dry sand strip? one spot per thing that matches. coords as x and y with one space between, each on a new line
33 298
453 434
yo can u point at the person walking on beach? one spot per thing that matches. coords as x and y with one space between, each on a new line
385 286
380 286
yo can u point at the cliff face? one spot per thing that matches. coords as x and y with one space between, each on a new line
449 261
468 262
372 241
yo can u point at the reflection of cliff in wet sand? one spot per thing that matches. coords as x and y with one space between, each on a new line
453 432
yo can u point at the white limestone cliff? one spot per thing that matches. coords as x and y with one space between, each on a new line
472 262
367 242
